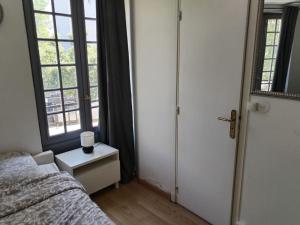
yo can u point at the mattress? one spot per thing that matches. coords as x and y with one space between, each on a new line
32 194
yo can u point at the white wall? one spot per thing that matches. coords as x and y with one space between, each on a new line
18 117
155 32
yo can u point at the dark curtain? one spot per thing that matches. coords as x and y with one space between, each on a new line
289 21
116 122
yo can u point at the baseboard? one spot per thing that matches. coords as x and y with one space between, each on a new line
154 188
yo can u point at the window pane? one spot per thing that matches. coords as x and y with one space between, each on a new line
73 121
94 93
275 52
264 87
271 25
269 52
62 6
95 103
69 78
270 38
91 30
53 101
93 76
44 25
66 52
92 53
90 8
277 38
64 27
42 5
50 77
95 116
56 124
71 99
266 76
47 51
267 65
278 28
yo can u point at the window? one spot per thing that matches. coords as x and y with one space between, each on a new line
271 37
63 46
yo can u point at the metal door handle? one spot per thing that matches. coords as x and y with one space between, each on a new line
232 122
224 119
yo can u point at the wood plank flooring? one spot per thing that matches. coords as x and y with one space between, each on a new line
134 204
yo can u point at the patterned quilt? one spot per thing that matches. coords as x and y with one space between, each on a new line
38 198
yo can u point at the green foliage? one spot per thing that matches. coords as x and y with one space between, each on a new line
69 78
92 53
50 77
47 50
41 4
93 75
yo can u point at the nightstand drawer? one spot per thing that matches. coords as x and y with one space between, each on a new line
98 175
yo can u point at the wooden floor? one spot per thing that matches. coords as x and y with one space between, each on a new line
134 204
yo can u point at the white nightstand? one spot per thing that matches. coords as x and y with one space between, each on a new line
95 171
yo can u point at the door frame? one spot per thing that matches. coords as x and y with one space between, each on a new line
254 19
254 9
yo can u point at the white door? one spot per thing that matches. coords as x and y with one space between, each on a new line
212 40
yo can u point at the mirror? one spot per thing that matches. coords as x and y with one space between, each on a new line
277 71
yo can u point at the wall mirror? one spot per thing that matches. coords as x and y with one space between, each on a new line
277 68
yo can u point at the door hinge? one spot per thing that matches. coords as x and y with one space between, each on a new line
178 110
179 15
176 190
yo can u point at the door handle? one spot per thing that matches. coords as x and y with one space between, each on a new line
232 122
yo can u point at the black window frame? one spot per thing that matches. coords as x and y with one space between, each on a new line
67 141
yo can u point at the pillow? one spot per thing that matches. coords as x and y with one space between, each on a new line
15 167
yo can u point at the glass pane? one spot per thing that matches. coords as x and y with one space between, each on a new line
267 65
56 124
264 87
69 78
94 93
272 76
66 52
92 53
278 28
91 30
93 76
277 38
90 8
273 65
266 76
42 5
270 38
64 27
95 103
53 101
73 121
44 25
62 6
269 52
47 51
95 116
50 77
275 52
71 99
271 25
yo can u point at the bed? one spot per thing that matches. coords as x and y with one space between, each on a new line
40 194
